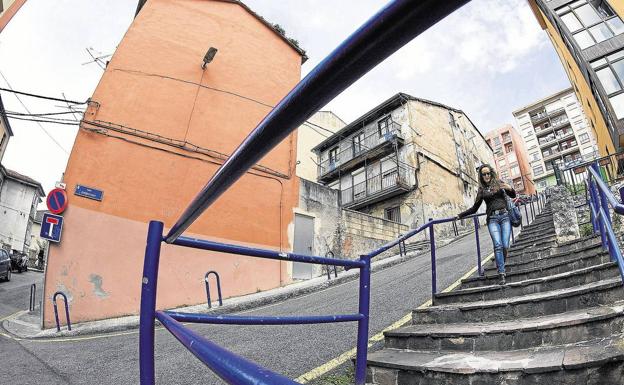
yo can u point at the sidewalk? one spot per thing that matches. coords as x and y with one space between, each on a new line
25 325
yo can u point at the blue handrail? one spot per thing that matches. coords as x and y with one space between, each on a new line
600 197
388 30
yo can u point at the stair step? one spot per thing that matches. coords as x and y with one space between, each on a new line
534 241
599 361
552 252
556 248
513 265
559 329
573 263
531 286
550 302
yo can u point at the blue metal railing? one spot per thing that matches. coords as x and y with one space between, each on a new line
387 31
600 197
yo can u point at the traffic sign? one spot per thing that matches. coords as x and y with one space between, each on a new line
57 201
51 227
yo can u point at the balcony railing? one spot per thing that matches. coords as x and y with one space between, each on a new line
390 181
538 118
551 139
356 149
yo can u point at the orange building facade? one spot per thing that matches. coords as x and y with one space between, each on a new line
511 158
157 128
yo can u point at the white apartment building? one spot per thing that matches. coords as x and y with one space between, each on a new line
556 133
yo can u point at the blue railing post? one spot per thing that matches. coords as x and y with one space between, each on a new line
434 288
148 302
362 333
476 226
592 202
526 214
621 190
603 197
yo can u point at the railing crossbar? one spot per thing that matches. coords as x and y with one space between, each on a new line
263 253
225 364
261 320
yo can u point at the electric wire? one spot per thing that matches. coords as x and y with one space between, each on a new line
10 89
27 110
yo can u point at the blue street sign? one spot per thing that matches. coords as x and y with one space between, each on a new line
88 192
51 227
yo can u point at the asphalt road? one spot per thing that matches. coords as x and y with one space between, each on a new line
289 350
15 294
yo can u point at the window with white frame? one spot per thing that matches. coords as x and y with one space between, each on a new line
610 72
584 138
590 21
539 170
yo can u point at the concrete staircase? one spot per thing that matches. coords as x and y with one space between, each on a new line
558 320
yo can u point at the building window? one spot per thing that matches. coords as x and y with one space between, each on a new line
383 125
333 156
358 141
496 141
539 170
590 22
584 138
508 148
610 72
393 214
515 171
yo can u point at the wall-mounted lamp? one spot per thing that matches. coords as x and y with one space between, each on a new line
212 51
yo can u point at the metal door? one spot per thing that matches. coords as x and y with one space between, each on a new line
304 244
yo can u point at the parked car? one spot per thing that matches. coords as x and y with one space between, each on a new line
19 261
5 265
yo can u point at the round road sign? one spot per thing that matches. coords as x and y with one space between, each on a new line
57 201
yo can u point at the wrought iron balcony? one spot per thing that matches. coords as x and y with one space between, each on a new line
376 188
557 137
372 146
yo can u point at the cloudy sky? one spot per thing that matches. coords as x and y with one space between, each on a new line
488 59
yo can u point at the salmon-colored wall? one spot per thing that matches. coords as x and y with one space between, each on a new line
8 13
149 86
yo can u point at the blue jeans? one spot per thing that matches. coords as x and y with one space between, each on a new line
500 231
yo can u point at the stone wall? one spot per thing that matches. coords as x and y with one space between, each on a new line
564 214
345 233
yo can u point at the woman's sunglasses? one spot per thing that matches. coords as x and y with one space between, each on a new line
486 173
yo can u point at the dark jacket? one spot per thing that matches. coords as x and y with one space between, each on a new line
494 200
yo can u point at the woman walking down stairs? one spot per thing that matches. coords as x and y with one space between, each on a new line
558 319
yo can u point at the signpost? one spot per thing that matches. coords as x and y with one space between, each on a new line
57 201
51 227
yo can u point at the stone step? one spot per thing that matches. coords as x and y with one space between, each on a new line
537 285
532 242
573 263
559 329
556 248
530 232
552 252
599 361
513 265
549 302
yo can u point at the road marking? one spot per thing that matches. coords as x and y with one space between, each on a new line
16 314
346 356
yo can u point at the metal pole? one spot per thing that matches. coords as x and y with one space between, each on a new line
532 210
364 309
476 226
434 288
526 214
148 302
592 201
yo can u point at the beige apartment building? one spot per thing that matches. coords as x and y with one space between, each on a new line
406 160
